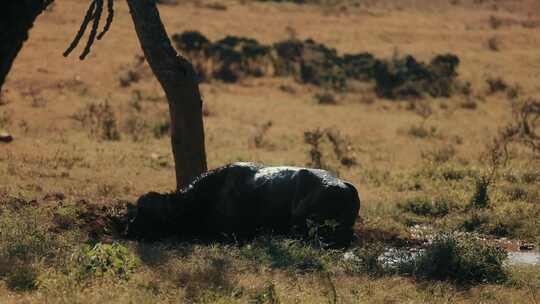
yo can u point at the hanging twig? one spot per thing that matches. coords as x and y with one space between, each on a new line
93 14
110 16
93 31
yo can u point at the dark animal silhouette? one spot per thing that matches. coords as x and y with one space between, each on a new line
243 199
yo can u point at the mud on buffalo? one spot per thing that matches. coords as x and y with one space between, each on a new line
245 199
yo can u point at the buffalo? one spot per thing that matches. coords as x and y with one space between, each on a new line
244 199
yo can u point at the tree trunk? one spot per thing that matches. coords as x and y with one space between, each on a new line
16 19
179 81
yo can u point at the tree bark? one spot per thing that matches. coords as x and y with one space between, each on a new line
179 81
16 19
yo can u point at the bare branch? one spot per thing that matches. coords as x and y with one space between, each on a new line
82 29
93 31
110 17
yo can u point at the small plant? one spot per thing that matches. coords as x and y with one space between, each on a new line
494 44
530 177
342 147
161 129
469 104
513 92
105 259
496 85
441 155
424 206
100 119
480 198
420 131
5 118
313 138
516 193
340 144
136 127
325 98
495 22
259 141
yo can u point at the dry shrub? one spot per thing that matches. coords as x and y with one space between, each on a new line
259 141
496 85
100 120
134 73
469 104
136 127
495 22
6 118
441 155
494 43
341 146
325 98
522 130
313 139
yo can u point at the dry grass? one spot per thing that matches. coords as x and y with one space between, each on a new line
400 155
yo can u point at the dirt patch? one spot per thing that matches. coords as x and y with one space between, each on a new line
96 222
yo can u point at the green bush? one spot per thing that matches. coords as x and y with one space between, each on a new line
461 259
105 259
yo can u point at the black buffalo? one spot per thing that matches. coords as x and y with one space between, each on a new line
243 199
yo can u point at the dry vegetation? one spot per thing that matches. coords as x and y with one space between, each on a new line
90 136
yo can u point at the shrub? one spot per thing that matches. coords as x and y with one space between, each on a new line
100 119
516 193
494 43
405 77
105 259
469 104
136 127
259 140
420 131
480 198
233 58
461 259
530 177
325 99
496 85
161 129
441 155
22 277
424 206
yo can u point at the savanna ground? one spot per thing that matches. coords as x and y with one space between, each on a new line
84 145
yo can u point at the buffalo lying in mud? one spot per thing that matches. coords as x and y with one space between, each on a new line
244 199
